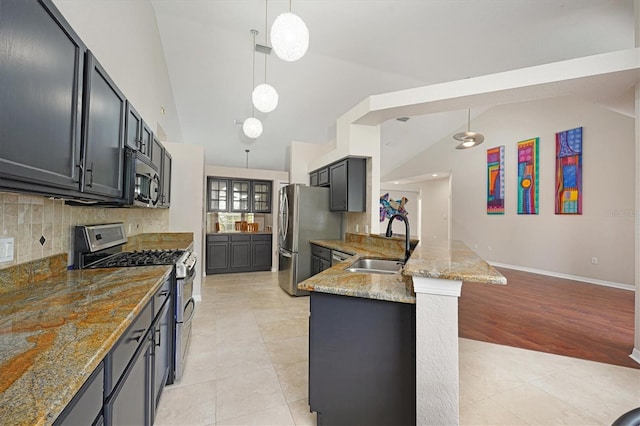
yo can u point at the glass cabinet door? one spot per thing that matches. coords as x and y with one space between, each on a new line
240 196
218 195
261 197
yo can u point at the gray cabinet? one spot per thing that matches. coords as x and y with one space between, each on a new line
238 195
41 85
348 185
156 152
227 253
240 253
162 351
165 180
319 177
362 365
320 259
86 406
261 196
217 194
217 254
133 128
103 133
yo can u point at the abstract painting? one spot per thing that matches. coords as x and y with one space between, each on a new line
528 176
569 171
495 180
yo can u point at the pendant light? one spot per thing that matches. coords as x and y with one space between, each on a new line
289 36
265 96
252 127
469 139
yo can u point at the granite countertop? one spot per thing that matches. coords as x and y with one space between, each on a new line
57 325
240 232
453 261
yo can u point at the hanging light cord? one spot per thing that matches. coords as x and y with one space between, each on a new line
468 119
289 6
253 72
266 41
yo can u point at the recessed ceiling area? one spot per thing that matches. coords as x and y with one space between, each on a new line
360 48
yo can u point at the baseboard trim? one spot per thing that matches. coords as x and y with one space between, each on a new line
565 276
635 355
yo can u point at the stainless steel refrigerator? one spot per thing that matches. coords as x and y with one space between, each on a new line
303 215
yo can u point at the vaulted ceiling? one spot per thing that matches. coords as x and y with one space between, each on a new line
360 48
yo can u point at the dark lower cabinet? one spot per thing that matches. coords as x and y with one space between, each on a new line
240 252
217 254
86 406
130 402
125 389
162 351
227 253
320 259
362 365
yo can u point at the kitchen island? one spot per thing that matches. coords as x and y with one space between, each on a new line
387 361
58 325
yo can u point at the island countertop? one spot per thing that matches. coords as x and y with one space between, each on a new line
452 261
57 325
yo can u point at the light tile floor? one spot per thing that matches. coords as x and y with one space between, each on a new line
248 365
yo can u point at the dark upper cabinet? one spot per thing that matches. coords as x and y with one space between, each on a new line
133 125
41 84
348 185
103 132
323 177
165 187
147 140
261 191
156 153
217 195
240 192
313 178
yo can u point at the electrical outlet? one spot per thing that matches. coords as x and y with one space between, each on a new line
489 248
594 260
6 249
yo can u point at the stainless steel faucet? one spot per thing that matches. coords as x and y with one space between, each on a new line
389 233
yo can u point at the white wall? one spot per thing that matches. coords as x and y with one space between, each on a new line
555 243
124 37
435 210
186 213
278 178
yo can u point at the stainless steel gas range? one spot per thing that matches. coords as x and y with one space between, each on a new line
100 246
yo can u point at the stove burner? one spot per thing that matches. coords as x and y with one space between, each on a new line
140 258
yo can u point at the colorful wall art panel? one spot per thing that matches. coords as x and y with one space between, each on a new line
495 180
528 176
569 171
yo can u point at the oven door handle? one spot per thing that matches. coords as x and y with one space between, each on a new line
191 302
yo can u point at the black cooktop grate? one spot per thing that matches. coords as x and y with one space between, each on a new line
139 258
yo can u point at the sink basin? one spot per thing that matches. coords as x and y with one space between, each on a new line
375 266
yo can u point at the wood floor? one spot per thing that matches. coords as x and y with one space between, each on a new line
552 315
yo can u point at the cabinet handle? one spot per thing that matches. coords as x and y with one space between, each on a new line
80 171
163 293
159 342
90 170
139 336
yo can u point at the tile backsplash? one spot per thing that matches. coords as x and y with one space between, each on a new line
43 227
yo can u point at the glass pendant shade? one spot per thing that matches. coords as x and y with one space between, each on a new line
289 37
265 98
252 127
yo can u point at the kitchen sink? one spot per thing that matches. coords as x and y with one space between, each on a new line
375 266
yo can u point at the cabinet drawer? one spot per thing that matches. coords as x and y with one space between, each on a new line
321 252
217 238
235 238
261 237
161 296
128 343
87 404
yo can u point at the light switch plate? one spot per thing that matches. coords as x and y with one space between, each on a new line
6 250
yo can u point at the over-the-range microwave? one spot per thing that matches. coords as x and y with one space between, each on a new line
141 182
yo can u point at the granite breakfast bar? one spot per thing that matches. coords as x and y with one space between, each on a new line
428 288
